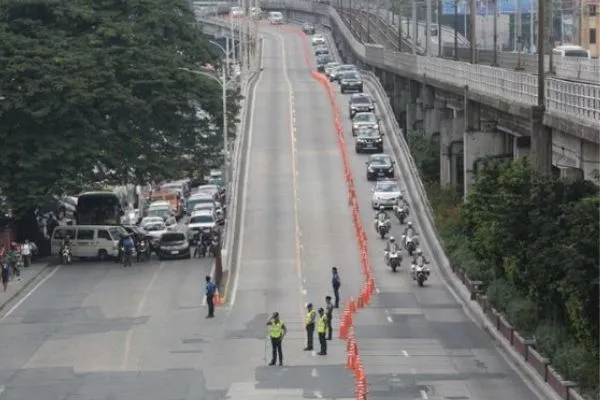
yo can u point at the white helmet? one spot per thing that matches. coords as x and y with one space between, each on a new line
381 208
409 224
419 252
392 239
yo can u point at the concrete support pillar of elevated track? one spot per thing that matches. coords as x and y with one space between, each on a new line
451 148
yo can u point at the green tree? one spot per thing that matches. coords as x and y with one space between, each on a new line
91 91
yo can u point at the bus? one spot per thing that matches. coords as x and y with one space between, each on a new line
98 208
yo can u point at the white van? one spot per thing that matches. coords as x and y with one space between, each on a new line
275 18
89 241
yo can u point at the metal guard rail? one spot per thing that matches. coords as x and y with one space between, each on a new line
574 100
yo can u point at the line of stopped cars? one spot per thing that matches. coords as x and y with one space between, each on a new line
367 132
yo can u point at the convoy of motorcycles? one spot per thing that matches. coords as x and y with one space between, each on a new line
419 265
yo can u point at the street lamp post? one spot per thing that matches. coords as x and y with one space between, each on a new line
224 83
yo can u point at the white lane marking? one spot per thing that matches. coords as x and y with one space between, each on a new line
294 162
313 353
413 371
405 353
304 292
377 290
138 313
387 311
390 320
314 373
250 132
423 395
318 394
32 291
2 389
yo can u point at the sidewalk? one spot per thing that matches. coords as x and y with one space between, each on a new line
15 287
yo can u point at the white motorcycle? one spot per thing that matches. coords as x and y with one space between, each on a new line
410 243
382 227
401 213
420 273
394 259
65 256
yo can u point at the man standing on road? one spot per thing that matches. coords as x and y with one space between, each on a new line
277 332
336 282
322 332
211 290
329 314
26 252
309 323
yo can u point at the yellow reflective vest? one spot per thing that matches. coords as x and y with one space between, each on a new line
276 330
310 317
322 325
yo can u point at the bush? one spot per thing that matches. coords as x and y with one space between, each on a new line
523 315
575 362
499 293
426 153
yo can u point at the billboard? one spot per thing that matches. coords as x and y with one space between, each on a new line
486 7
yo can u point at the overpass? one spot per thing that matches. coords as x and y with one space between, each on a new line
478 111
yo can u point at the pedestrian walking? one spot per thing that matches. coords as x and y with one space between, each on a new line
5 272
336 282
12 258
309 323
277 331
211 290
329 314
322 331
26 250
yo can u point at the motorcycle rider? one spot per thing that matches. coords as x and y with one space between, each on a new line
66 244
390 247
402 204
418 260
381 216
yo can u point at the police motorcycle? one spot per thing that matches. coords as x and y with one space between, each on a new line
401 212
411 240
142 249
65 255
392 255
419 269
382 223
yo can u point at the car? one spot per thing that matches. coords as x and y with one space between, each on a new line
380 165
155 230
323 60
360 102
200 220
309 29
364 119
320 50
329 67
173 245
385 193
368 138
201 198
350 81
148 220
318 40
205 206
335 74
211 189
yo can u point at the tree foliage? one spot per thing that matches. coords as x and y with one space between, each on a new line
536 240
92 91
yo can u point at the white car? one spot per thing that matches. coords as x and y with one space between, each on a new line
149 220
385 193
205 207
204 219
237 11
155 229
318 40
212 189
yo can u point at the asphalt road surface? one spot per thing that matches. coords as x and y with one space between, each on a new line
95 331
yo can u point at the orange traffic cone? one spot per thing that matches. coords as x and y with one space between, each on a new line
218 299
352 305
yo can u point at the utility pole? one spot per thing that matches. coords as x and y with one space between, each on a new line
400 25
428 28
495 60
456 30
519 27
541 55
551 36
472 30
415 27
439 27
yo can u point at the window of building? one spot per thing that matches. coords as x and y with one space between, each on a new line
593 36
592 10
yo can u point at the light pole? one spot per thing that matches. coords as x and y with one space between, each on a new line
224 83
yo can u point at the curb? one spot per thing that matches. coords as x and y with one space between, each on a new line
7 301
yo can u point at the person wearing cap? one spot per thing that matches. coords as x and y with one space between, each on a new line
277 332
329 314
336 282
322 331
309 323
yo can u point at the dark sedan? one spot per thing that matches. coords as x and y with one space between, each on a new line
380 166
173 245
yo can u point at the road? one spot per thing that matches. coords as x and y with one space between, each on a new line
98 331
